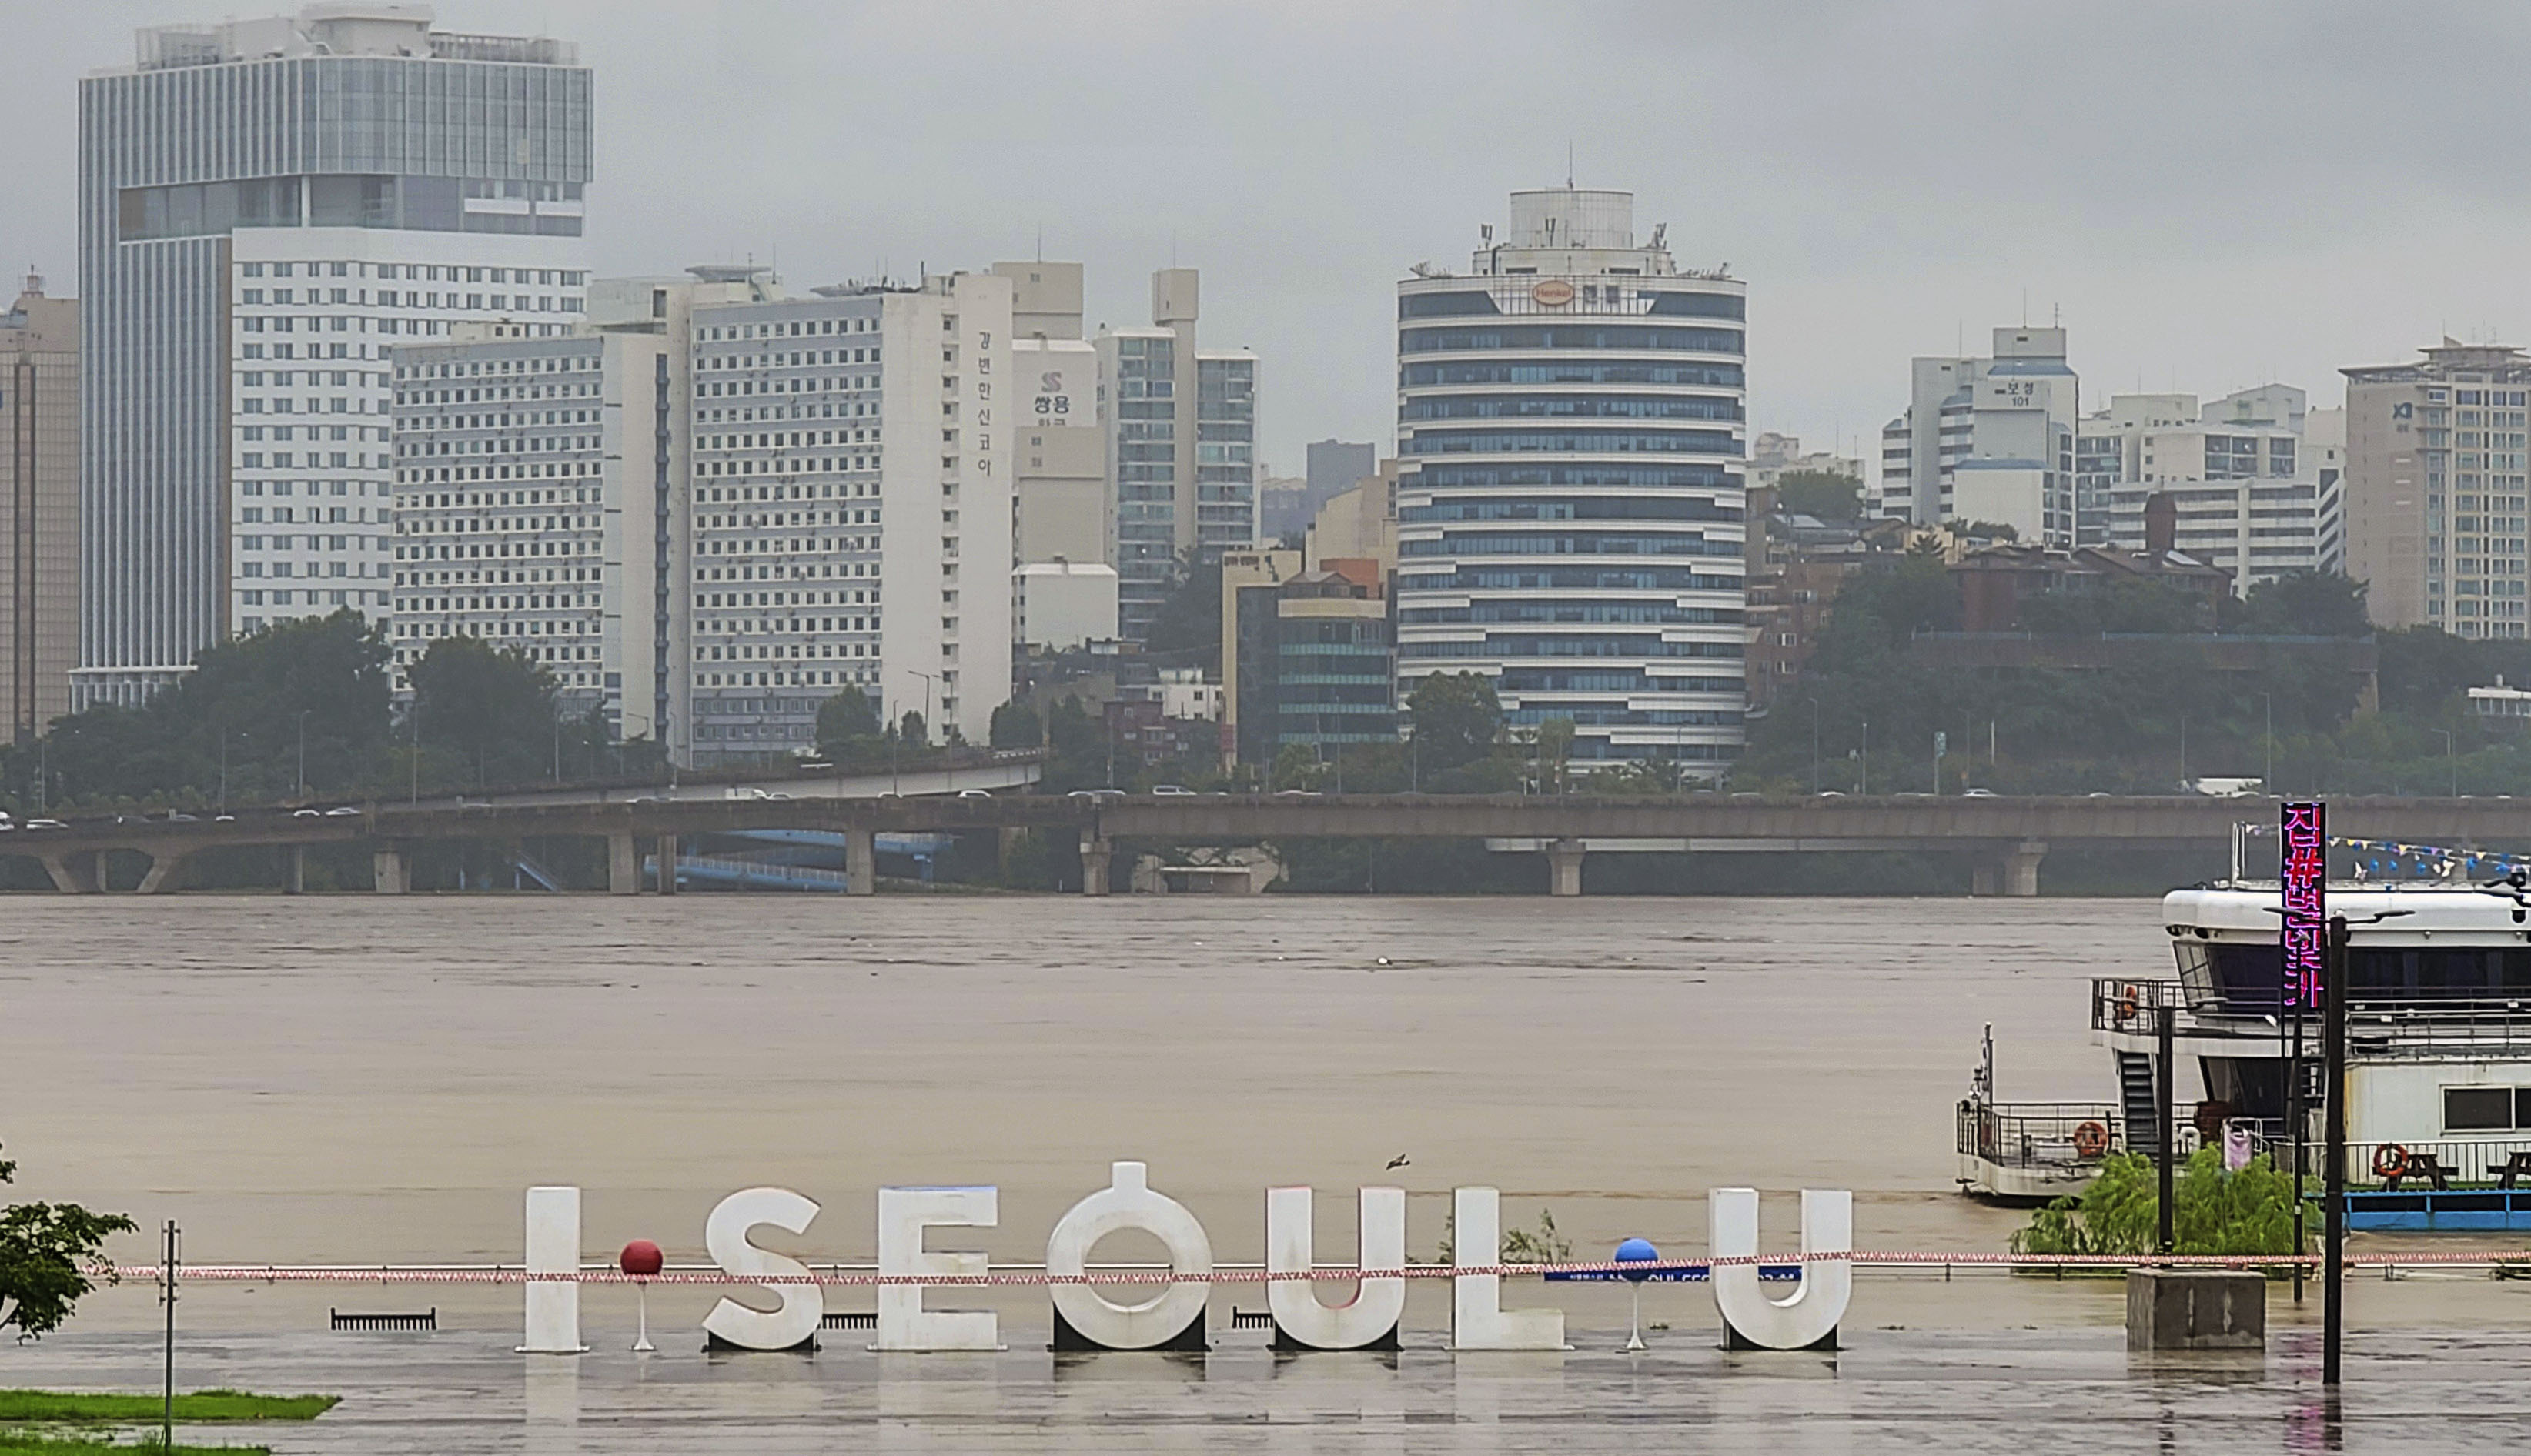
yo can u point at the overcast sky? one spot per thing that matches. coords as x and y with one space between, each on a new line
2213 195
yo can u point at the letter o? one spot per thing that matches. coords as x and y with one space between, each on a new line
1166 1317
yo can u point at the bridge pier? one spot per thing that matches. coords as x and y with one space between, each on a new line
391 869
1564 866
623 864
861 861
165 866
294 874
79 873
668 873
2013 873
1094 856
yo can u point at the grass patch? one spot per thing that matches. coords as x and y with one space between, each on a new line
36 1443
198 1405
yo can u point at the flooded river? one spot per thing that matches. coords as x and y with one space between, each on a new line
347 1078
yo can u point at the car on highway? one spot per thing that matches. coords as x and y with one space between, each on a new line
305 813
1979 794
46 824
342 812
174 817
1298 794
1171 790
972 794
1095 794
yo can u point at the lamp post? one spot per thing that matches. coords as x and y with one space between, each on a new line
1814 745
1863 766
2451 760
303 751
2268 706
928 680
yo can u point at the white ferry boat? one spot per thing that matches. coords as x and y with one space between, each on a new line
2438 1082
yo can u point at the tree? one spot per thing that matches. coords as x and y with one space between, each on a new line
847 725
1188 624
1456 717
1015 726
1295 768
1826 495
314 684
45 1252
2306 603
911 729
494 706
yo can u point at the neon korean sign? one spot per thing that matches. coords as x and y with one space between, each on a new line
2303 870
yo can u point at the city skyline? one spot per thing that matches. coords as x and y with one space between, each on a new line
1982 181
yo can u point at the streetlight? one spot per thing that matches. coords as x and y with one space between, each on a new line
2451 760
2268 704
1814 735
1863 770
303 751
928 680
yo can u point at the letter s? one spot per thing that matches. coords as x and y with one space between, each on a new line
804 1304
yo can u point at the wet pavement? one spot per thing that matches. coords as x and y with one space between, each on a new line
2020 1391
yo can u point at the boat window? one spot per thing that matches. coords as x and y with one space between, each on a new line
2196 969
2478 1110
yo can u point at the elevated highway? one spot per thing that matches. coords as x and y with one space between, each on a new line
2008 837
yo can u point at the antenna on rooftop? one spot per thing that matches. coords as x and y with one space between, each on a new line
1568 164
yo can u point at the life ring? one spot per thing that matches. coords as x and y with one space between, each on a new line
2091 1139
2389 1160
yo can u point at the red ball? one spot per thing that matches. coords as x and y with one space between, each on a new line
641 1259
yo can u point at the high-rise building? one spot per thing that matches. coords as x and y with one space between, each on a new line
1570 488
1334 466
665 305
266 207
1989 441
532 525
2434 499
39 427
851 517
1062 508
1182 448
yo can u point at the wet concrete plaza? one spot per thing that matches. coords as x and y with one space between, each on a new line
1955 1391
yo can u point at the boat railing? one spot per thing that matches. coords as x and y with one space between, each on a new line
2034 1134
2461 1161
2438 1029
2129 1005
2423 1026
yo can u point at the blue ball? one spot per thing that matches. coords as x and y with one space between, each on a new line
1637 1250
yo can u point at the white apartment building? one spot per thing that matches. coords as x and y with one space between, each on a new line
664 307
1063 508
1987 439
266 208
311 416
1773 456
2250 481
527 476
1182 447
849 520
2435 500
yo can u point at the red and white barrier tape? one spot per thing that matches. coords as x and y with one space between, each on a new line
1039 1278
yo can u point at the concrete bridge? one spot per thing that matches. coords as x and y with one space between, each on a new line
2008 837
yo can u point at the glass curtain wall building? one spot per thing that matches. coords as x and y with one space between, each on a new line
1570 484
266 207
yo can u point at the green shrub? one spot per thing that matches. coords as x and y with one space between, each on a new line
2250 1211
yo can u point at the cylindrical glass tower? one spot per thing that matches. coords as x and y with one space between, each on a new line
1569 498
